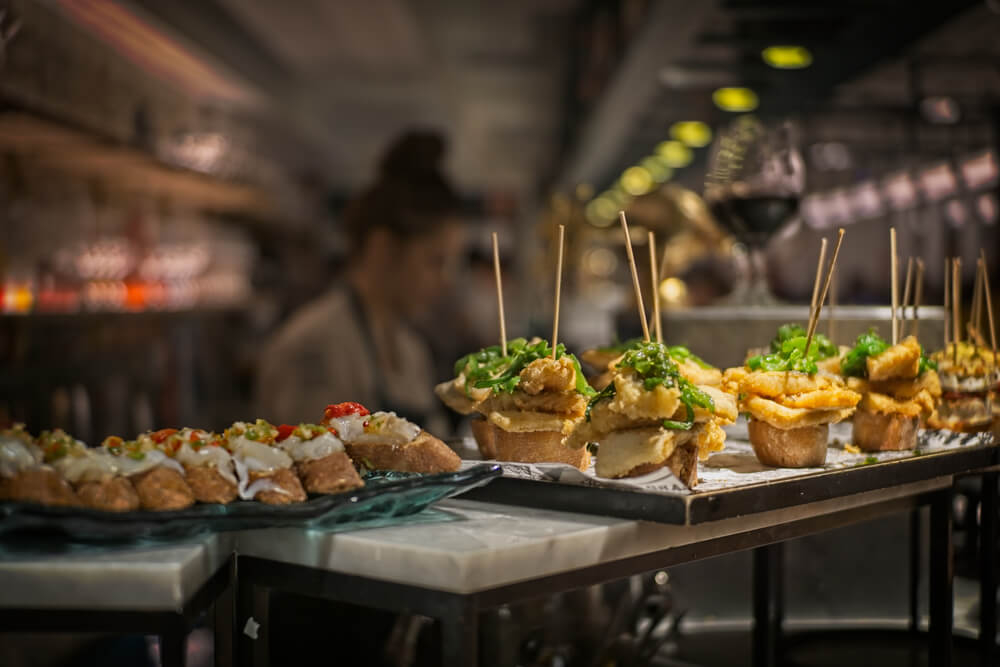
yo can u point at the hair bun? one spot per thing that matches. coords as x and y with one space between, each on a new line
415 154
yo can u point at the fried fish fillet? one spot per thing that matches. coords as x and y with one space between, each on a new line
547 374
899 361
623 452
522 420
460 397
709 437
883 404
822 399
698 375
774 384
724 407
634 400
565 403
779 416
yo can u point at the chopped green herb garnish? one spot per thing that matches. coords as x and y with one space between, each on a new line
489 369
868 344
653 364
823 346
682 353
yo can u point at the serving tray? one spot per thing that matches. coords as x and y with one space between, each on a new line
385 496
733 483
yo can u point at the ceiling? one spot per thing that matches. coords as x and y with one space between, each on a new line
350 75
344 77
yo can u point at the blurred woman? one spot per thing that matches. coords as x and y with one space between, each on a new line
357 342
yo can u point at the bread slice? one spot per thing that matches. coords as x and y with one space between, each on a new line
41 485
537 447
803 447
483 432
638 451
114 494
885 432
425 454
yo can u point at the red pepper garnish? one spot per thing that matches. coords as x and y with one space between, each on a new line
344 409
159 436
333 431
284 431
194 437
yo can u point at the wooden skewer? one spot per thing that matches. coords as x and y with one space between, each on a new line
635 276
657 325
814 320
894 271
496 273
956 304
819 275
907 289
918 297
989 306
975 313
555 316
947 303
831 318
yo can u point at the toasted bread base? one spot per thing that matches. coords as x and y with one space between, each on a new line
162 489
41 485
425 454
878 432
483 431
537 447
683 463
334 473
115 494
209 486
289 487
803 447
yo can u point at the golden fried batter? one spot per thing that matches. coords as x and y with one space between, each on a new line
115 494
331 474
774 384
880 403
698 375
547 374
733 378
520 421
906 389
209 486
565 404
709 437
822 399
604 419
162 489
725 407
623 451
458 397
899 361
634 400
781 417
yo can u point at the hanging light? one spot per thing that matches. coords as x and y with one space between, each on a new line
735 99
787 57
674 154
693 133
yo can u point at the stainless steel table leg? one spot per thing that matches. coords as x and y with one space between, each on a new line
251 631
173 646
460 635
941 580
768 604
915 552
987 570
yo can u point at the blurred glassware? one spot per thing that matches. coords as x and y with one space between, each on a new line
755 178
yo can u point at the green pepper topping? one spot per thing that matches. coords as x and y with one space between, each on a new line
489 369
870 344
653 364
821 344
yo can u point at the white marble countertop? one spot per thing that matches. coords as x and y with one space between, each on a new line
456 546
467 546
143 577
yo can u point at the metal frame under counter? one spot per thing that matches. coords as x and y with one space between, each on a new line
155 588
484 555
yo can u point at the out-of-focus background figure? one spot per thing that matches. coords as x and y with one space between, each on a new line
358 341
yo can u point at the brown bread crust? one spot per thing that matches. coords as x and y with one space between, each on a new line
162 489
878 432
331 474
115 494
425 454
803 447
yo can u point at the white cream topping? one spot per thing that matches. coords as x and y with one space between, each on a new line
248 490
208 455
83 464
151 459
16 456
312 450
257 456
383 428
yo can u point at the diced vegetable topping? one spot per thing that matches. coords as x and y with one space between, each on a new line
344 409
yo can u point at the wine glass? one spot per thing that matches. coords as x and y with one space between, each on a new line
755 178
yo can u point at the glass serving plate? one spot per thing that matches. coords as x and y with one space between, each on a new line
385 496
